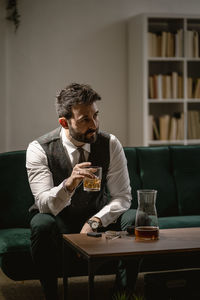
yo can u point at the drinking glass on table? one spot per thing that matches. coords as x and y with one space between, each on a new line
146 223
93 184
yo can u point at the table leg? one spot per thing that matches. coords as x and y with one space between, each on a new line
65 287
91 292
65 267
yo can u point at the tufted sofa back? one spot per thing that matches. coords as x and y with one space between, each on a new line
15 193
172 170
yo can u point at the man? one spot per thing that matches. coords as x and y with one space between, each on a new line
55 174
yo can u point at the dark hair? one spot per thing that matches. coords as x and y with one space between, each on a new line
74 94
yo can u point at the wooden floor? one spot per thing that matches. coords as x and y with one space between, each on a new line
31 289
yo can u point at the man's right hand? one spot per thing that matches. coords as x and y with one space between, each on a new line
78 173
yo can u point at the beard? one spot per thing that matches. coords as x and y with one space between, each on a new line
82 137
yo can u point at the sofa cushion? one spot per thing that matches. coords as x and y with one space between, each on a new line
14 240
156 173
179 222
134 175
15 193
18 265
186 169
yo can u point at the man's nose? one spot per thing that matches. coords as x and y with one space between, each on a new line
93 124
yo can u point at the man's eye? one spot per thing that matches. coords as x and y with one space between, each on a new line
84 120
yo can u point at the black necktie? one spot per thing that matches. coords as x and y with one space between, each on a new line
81 155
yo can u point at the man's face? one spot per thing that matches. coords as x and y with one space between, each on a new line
84 124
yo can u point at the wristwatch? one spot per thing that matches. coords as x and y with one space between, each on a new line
93 224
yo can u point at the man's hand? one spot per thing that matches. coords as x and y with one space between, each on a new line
78 173
86 228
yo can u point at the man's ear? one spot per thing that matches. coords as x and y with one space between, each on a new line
63 122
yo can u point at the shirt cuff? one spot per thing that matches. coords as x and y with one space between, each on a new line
64 187
106 218
63 191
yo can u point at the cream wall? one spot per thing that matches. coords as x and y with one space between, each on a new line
63 41
3 111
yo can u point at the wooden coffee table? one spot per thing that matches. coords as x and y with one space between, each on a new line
99 250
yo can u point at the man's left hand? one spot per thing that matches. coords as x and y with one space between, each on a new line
86 228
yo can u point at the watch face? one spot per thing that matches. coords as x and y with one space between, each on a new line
94 225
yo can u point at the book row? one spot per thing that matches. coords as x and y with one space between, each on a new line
165 44
168 44
166 127
166 86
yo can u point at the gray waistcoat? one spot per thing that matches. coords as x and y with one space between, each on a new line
83 204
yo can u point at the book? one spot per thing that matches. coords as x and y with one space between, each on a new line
189 87
196 44
164 44
156 133
153 44
155 85
193 124
168 94
189 44
159 45
164 86
151 87
198 122
174 85
150 44
197 89
150 127
164 127
189 125
180 127
180 87
170 44
179 43
159 86
173 129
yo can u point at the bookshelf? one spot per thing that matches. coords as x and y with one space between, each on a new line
164 80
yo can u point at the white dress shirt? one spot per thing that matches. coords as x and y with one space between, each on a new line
52 199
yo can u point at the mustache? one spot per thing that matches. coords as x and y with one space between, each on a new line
90 131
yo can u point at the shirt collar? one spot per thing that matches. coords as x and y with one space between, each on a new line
69 145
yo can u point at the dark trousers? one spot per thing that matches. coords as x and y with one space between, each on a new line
46 249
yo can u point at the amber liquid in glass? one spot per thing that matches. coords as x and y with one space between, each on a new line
91 185
146 233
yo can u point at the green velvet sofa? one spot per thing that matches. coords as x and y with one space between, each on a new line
172 170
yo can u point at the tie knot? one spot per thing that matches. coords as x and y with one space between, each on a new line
81 155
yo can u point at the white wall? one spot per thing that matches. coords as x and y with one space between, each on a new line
3 110
59 42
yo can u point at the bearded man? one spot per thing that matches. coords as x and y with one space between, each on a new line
56 164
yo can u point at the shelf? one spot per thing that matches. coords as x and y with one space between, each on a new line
189 59
167 142
167 59
175 142
164 78
193 142
167 100
193 100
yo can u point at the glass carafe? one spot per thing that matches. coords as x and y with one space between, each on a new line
146 223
